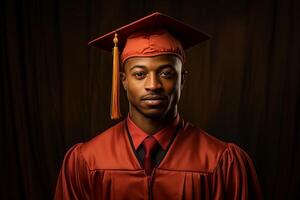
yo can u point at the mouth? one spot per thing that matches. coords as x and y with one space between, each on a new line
153 100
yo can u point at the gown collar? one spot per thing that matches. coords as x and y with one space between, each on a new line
163 136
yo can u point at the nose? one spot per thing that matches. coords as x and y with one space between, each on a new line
152 82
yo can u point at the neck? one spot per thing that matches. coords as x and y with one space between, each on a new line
151 125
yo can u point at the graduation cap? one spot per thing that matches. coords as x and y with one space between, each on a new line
155 34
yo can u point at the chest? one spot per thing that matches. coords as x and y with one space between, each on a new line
163 184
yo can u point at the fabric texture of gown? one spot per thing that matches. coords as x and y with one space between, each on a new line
196 166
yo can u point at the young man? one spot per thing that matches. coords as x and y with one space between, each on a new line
154 153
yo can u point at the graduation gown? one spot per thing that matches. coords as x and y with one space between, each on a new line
196 166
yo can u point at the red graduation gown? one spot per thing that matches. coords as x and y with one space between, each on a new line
196 166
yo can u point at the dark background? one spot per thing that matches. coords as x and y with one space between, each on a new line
243 84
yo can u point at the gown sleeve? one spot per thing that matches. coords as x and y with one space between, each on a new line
73 179
235 177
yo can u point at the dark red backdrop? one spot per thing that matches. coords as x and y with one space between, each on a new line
243 84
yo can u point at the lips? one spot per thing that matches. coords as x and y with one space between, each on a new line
153 100
153 97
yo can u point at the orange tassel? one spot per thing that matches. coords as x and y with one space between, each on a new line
115 104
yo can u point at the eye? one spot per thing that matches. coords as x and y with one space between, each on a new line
167 73
139 74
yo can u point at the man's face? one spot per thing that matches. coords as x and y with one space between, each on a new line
153 85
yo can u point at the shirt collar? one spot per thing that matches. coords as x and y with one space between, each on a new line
163 136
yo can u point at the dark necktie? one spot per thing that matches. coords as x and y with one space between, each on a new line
150 146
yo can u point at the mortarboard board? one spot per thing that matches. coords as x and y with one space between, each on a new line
155 34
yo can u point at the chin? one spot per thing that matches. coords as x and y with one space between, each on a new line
153 113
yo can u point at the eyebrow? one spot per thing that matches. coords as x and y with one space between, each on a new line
166 66
159 67
137 66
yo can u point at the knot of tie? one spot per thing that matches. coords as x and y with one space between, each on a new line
150 145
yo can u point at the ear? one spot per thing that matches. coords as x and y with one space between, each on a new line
124 80
184 74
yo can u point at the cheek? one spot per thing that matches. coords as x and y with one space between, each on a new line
133 89
172 86
173 89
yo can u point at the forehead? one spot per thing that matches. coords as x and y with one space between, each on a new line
153 61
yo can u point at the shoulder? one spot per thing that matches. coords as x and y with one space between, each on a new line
195 150
221 152
205 143
97 149
103 140
233 151
235 157
204 151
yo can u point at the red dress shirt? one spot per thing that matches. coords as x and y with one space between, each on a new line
163 136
